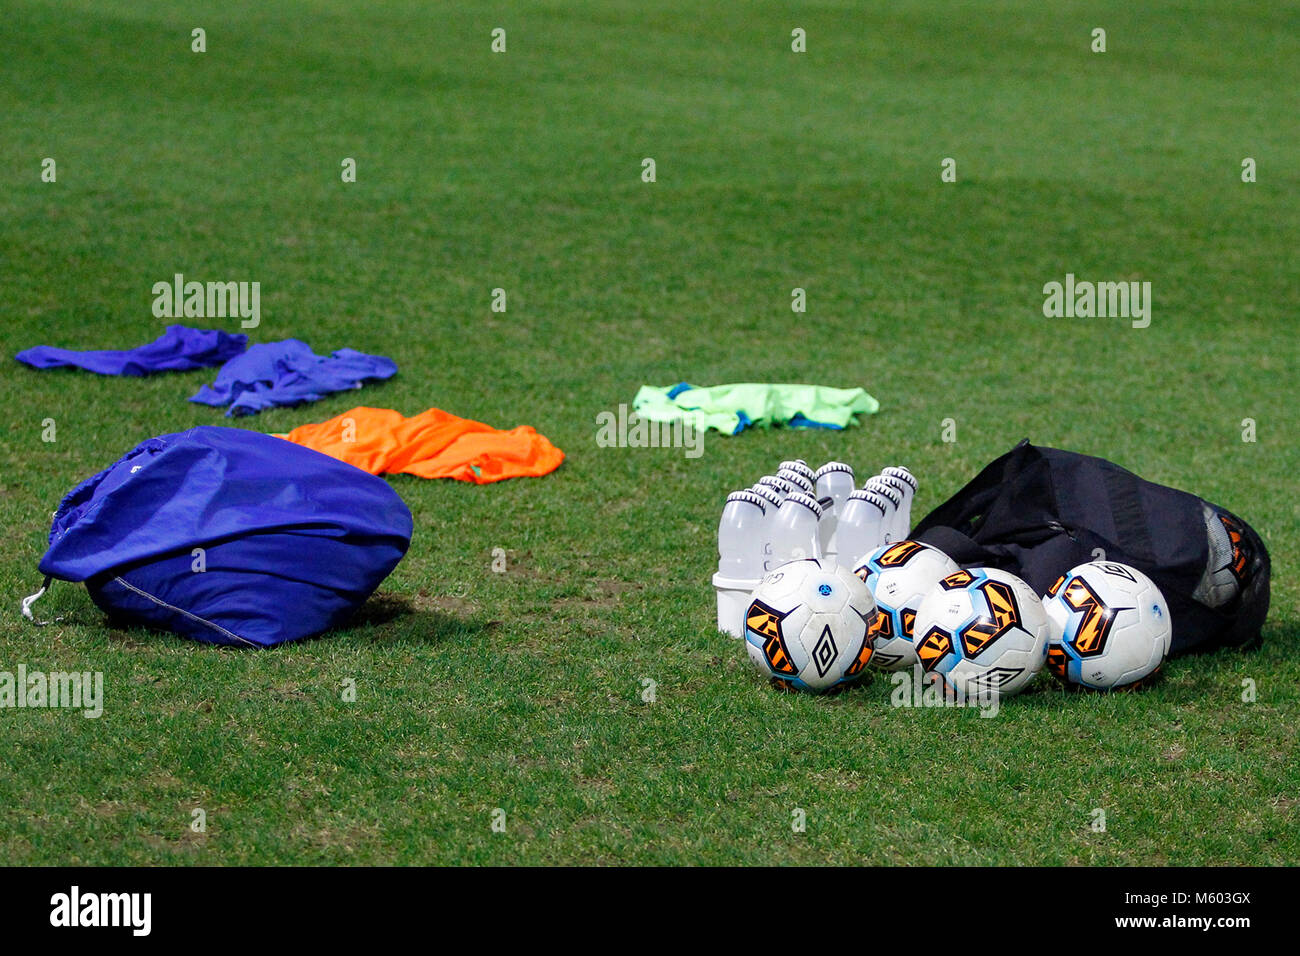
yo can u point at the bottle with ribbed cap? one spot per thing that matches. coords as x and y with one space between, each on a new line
799 467
740 536
860 527
772 508
794 535
834 484
742 533
769 495
797 478
778 485
906 482
899 523
834 480
894 498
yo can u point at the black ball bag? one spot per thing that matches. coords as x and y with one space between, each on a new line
1037 512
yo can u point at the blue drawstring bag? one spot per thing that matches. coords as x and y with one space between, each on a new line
228 536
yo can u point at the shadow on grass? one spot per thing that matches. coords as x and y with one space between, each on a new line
383 619
388 618
1281 637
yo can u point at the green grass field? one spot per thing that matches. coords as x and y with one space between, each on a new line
775 170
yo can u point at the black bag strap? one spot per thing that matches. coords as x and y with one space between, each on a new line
1125 492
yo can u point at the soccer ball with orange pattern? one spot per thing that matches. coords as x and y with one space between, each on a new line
898 576
806 625
981 632
1110 626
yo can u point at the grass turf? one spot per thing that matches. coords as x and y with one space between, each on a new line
521 690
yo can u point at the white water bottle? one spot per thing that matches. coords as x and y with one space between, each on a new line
834 480
772 508
778 486
798 479
906 483
799 467
859 529
893 499
742 531
794 536
900 521
740 536
834 484
771 498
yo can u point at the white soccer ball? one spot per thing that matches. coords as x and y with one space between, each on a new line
898 576
1110 626
807 625
981 632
